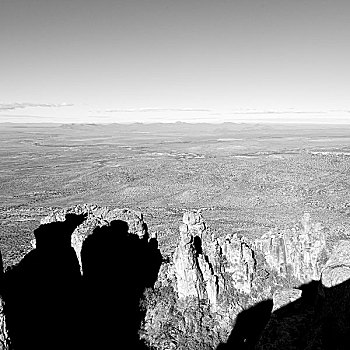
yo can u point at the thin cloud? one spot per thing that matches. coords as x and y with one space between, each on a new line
19 116
145 110
276 112
23 105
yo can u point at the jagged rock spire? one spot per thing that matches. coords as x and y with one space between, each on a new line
204 266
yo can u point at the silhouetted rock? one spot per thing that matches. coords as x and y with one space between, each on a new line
97 216
50 305
117 267
41 292
248 327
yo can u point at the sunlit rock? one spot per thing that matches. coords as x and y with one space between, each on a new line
299 251
188 275
239 261
284 297
337 268
4 336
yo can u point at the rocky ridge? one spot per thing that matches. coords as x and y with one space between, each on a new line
220 277
210 279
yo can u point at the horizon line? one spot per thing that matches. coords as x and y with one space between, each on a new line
178 122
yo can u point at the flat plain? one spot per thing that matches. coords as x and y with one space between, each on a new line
246 178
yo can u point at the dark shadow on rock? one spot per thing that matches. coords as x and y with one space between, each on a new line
41 292
319 319
248 327
117 267
197 245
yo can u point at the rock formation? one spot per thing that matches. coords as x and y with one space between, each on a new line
220 278
204 265
239 261
194 275
204 278
299 251
211 283
188 274
96 217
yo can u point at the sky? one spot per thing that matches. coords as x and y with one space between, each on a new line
104 61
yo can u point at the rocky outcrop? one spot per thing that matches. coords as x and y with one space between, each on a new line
194 274
299 251
239 261
204 265
210 285
189 278
96 216
47 292
202 283
221 278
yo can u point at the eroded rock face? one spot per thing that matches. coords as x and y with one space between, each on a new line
200 285
337 268
239 261
188 275
299 251
204 265
194 275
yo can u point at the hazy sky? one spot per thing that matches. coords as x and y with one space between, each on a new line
162 60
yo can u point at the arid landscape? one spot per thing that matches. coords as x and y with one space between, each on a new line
175 175
199 236
246 178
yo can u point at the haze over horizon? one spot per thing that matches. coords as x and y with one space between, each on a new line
164 61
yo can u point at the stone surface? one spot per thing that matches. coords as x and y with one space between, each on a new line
337 268
299 251
239 261
4 337
284 297
189 280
